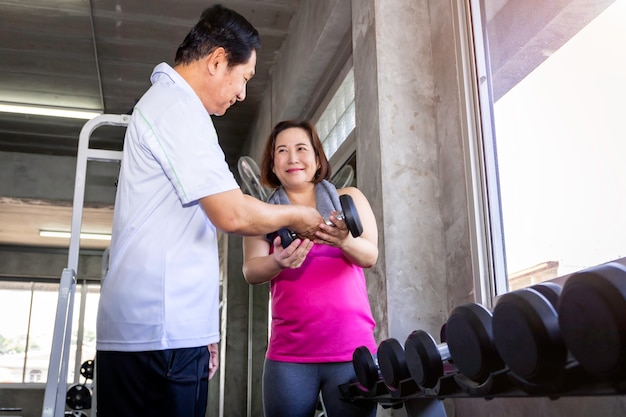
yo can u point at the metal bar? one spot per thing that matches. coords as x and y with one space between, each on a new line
56 384
56 379
85 154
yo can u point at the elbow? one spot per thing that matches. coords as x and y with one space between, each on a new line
370 261
248 276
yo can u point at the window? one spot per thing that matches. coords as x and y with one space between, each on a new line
28 312
556 90
338 119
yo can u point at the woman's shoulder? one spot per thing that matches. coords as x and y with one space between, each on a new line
349 190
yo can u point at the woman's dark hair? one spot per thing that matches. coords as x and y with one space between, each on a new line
267 163
219 27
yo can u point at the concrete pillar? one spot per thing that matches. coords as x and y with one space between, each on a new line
397 147
407 111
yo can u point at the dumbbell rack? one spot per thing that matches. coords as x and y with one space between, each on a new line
499 384
538 342
56 385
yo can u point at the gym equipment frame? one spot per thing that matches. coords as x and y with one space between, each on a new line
56 385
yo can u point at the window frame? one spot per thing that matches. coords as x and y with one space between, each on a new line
482 184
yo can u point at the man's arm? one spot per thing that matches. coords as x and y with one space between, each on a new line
235 212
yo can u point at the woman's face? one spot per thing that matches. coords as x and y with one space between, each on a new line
295 162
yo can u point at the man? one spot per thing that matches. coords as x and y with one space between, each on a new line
158 324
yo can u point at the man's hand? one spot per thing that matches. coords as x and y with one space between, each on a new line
214 362
308 223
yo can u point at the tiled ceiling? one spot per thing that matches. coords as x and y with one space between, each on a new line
98 55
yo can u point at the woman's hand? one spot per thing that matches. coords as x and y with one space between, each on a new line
292 256
333 235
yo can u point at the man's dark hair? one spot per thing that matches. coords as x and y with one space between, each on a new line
219 27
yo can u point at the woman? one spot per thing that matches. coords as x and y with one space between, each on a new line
320 308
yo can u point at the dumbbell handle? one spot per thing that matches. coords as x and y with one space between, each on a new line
349 215
444 351
339 216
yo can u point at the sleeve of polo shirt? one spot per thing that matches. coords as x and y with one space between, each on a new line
186 145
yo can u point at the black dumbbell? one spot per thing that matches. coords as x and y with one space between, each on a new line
526 333
348 213
592 318
392 363
366 367
469 338
425 358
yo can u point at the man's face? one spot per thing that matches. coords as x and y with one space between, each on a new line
229 85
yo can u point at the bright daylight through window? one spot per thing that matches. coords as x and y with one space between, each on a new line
558 84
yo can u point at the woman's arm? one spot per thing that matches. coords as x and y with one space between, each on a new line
362 250
260 266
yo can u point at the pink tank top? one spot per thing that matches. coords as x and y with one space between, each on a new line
320 311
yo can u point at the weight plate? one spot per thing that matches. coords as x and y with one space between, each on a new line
392 362
351 215
592 316
423 359
78 397
86 369
365 367
527 337
470 340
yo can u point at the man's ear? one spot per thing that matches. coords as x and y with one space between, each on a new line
215 59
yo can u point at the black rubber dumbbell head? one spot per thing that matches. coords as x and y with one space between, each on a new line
470 340
365 367
424 358
527 336
592 318
392 362
351 215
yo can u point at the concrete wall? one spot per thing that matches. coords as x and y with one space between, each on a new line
48 177
28 399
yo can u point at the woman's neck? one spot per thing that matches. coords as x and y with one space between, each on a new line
303 196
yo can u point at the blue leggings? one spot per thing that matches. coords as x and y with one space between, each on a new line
292 390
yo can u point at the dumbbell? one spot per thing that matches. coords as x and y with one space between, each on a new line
469 338
348 213
592 318
366 367
425 358
392 363
468 333
526 333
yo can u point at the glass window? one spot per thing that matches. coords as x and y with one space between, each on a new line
14 310
26 338
44 299
557 84
338 119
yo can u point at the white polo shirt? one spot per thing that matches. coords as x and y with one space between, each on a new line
162 288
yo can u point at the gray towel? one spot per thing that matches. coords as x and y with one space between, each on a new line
326 198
